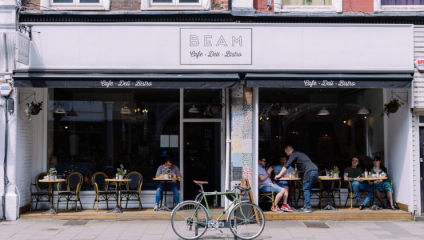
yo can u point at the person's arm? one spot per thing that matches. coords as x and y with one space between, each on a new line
267 175
292 158
178 174
281 173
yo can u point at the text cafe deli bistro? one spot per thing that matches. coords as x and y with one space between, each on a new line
205 95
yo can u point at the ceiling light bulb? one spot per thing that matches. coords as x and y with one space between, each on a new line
363 111
60 110
323 112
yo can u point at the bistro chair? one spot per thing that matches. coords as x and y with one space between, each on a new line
267 197
133 189
316 191
43 191
73 183
351 194
100 187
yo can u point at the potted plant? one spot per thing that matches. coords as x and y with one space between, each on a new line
33 109
335 171
275 108
391 107
166 173
52 172
121 172
213 108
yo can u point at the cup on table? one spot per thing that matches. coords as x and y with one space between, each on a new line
175 176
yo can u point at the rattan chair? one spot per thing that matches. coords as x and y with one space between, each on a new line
133 189
351 193
73 183
267 197
101 187
44 190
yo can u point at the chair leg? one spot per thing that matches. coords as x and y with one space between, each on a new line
126 205
351 199
67 201
93 204
347 198
57 204
98 203
76 204
36 204
139 203
79 199
340 199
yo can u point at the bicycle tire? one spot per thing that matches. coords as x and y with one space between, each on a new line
181 224
253 222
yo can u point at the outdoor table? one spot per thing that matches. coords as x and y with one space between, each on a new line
374 206
118 182
325 178
295 185
164 206
52 210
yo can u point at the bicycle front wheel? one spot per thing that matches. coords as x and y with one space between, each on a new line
189 221
247 221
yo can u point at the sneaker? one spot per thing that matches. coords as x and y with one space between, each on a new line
156 208
305 210
361 207
286 208
276 209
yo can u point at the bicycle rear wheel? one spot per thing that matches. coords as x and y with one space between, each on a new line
189 221
247 221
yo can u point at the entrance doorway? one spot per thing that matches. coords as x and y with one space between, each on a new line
202 157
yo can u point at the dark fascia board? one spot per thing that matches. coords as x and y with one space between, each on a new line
284 76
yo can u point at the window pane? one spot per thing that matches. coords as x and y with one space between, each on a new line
89 1
196 102
421 119
98 138
189 1
402 2
162 1
306 2
63 1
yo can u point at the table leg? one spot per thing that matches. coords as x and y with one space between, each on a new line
117 208
164 206
374 206
51 210
294 195
329 207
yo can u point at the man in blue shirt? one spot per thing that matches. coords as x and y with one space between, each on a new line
264 177
287 185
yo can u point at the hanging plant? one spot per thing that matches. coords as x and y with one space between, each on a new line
213 108
391 107
33 109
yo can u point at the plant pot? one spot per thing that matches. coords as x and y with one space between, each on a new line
166 176
216 110
35 111
392 109
273 112
121 177
335 175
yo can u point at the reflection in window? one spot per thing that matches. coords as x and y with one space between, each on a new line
307 2
98 137
402 2
202 103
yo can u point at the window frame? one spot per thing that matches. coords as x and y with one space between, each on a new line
175 5
102 5
396 8
336 6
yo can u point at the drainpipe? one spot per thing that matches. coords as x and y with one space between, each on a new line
6 64
6 181
228 143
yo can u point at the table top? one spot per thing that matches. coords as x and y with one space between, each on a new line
368 178
288 179
117 180
52 181
165 179
327 178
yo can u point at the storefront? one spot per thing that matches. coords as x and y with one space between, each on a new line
161 70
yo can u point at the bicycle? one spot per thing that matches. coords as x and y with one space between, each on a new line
190 220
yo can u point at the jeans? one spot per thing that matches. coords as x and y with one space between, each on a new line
267 189
307 186
170 186
364 187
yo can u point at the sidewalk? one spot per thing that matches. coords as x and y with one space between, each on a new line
155 230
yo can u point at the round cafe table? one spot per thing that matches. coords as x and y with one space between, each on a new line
51 210
118 181
374 206
164 206
295 185
325 178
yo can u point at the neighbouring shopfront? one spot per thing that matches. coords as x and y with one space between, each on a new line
160 71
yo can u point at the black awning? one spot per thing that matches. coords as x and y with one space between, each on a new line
98 80
284 80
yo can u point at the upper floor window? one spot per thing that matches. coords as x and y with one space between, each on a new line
398 5
175 4
77 4
308 5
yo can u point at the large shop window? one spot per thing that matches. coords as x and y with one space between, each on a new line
307 5
175 4
77 4
201 103
398 5
104 128
329 140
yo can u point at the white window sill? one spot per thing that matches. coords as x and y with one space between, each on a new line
401 8
104 5
203 5
79 8
337 6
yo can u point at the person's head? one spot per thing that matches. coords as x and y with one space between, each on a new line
283 160
355 161
289 150
262 162
168 162
377 161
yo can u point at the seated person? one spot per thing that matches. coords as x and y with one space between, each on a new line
171 185
383 185
265 177
353 175
287 185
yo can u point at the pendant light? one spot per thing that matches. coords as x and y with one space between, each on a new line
193 109
60 109
72 113
283 112
125 110
323 111
363 111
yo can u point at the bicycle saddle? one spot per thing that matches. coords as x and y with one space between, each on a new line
200 182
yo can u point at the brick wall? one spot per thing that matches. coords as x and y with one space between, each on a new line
31 5
125 5
358 5
261 6
219 5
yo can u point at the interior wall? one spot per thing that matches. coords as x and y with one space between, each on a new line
373 100
397 155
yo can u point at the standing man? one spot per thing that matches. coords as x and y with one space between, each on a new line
172 185
265 177
310 175
353 175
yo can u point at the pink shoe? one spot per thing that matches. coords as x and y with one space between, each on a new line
286 208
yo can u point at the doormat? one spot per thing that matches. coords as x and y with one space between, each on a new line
75 223
316 225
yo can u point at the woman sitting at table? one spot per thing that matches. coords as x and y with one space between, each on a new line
383 185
